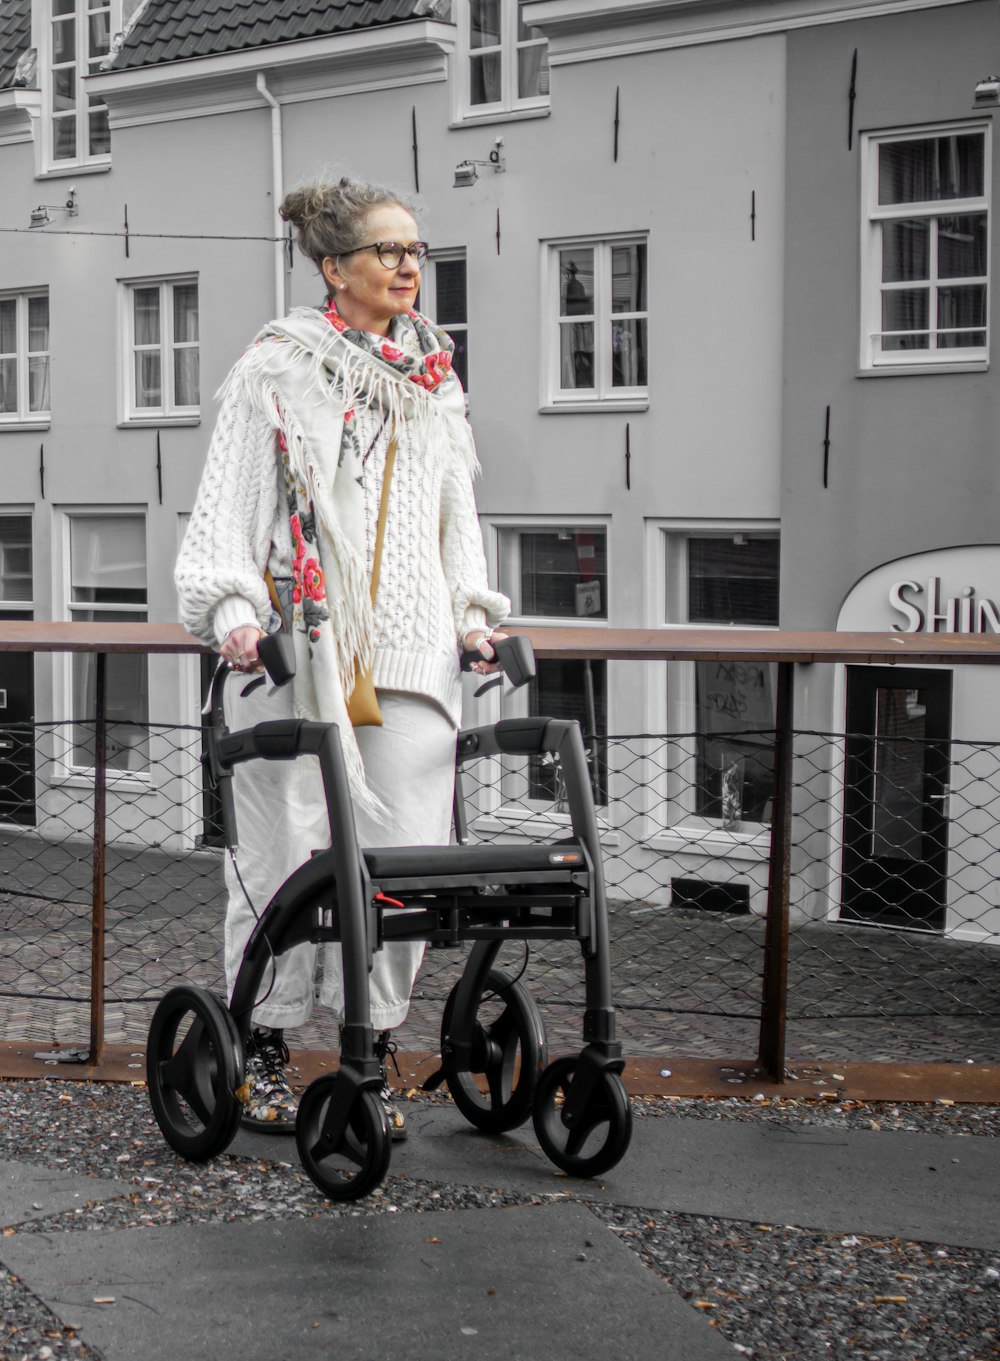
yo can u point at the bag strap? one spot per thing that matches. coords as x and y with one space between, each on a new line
383 510
272 592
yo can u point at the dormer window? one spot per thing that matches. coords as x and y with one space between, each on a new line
76 40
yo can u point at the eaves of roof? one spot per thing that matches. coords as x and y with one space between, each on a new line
393 41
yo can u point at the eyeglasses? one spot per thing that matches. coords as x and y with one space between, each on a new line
390 253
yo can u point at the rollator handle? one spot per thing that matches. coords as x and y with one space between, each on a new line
516 657
277 652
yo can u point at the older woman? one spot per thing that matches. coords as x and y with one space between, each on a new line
311 415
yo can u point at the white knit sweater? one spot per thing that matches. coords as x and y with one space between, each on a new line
433 584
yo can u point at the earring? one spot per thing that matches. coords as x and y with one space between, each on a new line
342 287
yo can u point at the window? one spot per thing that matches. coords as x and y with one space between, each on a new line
444 281
559 573
107 583
730 578
24 357
926 248
555 572
15 563
78 39
162 359
505 63
597 299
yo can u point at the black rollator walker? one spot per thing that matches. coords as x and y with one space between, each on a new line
493 1048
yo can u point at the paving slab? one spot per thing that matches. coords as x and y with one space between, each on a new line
28 1192
503 1284
924 1187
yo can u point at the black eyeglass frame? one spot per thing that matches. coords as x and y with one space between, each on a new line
418 250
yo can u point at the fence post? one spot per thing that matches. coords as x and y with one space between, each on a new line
771 1048
97 890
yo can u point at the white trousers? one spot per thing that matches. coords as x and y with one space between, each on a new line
281 819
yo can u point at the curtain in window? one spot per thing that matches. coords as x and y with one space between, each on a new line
185 339
485 75
38 358
146 314
8 355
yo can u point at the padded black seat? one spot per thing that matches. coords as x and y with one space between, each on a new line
446 862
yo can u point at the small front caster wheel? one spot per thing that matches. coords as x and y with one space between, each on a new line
350 1166
598 1138
507 1047
194 1067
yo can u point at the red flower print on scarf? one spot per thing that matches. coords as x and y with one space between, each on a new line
298 543
312 580
391 353
438 366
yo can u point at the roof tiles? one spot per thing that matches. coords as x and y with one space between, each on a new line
174 30
15 36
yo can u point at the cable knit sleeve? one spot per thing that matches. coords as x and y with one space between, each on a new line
473 603
220 566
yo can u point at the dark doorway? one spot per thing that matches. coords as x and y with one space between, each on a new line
896 797
17 733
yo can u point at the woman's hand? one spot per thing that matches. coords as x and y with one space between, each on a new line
239 647
478 640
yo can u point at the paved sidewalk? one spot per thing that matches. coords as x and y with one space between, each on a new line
555 1274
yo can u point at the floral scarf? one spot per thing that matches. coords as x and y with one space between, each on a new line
311 375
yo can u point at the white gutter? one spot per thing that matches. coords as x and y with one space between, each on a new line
277 181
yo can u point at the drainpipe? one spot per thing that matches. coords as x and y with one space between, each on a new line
277 177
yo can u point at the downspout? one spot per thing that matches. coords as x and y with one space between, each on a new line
277 178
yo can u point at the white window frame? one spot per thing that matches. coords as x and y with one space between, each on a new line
168 412
671 687
872 358
66 771
500 526
603 396
23 416
458 330
83 65
509 106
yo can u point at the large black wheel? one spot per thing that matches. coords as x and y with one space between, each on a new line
194 1067
508 1049
601 1134
357 1162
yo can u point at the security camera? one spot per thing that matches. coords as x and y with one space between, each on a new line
466 175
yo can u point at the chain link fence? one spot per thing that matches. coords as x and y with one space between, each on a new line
894 896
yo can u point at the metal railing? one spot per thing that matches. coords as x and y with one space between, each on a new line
737 918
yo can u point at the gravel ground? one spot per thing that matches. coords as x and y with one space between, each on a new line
778 1293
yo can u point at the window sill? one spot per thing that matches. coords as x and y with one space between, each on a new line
145 422
59 172
596 404
467 120
118 781
715 843
540 821
17 426
911 370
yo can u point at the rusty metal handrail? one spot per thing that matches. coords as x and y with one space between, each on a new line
786 649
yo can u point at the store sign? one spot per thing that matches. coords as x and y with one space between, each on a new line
925 608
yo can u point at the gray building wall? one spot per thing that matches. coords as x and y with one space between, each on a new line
913 459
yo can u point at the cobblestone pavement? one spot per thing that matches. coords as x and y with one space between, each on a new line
687 983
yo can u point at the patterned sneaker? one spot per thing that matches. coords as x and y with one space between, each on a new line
269 1104
385 1049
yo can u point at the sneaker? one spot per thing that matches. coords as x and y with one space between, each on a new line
269 1105
385 1049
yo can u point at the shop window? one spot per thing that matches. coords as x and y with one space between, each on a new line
926 247
162 358
76 40
504 62
598 330
24 357
444 284
724 710
107 584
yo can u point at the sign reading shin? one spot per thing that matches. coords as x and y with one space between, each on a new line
925 608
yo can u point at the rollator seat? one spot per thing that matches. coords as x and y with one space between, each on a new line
442 863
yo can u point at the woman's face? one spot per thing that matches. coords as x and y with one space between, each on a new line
368 295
